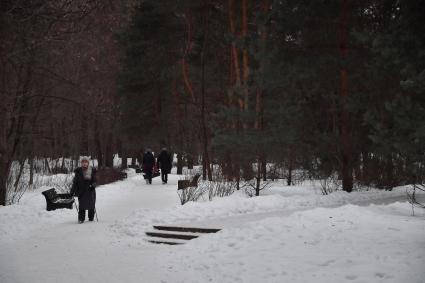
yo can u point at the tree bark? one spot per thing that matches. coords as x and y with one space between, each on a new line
109 155
4 171
18 177
236 71
289 180
4 163
346 143
264 168
84 146
206 158
245 58
98 143
31 164
124 163
185 66
258 179
179 164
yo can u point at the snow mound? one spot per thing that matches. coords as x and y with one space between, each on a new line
141 220
344 244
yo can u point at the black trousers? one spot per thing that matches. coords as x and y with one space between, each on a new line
164 176
149 176
82 214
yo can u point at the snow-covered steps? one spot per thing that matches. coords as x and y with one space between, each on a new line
186 229
156 240
172 235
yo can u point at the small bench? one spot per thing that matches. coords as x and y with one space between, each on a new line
188 189
184 184
56 201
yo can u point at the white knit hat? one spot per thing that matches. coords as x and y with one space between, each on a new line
86 158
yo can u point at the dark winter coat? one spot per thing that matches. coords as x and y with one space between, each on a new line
148 161
84 189
165 161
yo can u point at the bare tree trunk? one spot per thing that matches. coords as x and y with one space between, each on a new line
206 160
189 161
63 163
185 65
47 166
179 164
238 175
31 164
236 71
289 180
264 169
346 143
124 163
98 144
258 179
4 172
4 164
109 156
18 177
245 59
84 150
228 167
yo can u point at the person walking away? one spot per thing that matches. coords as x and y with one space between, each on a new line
148 164
164 162
84 187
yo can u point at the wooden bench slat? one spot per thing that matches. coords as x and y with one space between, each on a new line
183 184
55 201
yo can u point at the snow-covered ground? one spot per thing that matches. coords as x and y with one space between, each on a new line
290 234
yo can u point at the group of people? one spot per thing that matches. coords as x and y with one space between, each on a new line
163 162
84 182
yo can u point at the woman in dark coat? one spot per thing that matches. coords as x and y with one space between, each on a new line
148 164
164 161
83 186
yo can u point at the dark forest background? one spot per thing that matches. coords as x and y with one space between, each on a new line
327 87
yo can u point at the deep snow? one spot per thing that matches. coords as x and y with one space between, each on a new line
290 234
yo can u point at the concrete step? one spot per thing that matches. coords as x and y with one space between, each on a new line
174 235
173 242
186 229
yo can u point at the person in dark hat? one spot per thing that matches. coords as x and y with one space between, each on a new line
164 162
84 187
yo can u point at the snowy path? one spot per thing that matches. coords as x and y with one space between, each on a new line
69 252
290 235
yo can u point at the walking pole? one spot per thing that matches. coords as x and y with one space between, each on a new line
76 206
95 213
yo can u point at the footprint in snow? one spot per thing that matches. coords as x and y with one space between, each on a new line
327 263
351 277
